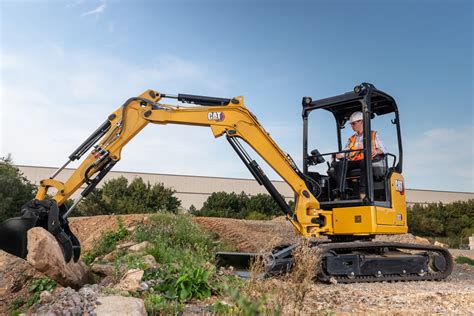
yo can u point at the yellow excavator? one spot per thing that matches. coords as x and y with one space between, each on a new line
350 223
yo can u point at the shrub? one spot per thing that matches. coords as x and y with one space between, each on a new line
466 260
223 204
15 189
454 221
232 205
119 197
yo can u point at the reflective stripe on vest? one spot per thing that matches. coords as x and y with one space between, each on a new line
359 155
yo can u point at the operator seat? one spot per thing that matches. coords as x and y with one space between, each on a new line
379 171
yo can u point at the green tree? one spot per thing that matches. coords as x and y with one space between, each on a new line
263 204
232 205
223 204
454 222
119 197
15 189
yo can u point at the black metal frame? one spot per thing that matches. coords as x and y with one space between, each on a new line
370 101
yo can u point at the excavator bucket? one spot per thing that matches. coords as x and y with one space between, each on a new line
13 234
36 213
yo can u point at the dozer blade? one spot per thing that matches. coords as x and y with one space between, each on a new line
278 261
39 213
239 261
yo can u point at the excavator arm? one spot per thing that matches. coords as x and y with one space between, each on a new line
225 117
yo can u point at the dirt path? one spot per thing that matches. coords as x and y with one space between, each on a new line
454 295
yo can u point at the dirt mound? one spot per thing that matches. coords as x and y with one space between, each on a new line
247 235
89 229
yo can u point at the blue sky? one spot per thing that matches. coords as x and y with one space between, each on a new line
65 65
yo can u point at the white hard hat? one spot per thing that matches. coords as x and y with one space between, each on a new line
356 116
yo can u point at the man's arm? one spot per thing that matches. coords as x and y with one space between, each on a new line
379 145
340 156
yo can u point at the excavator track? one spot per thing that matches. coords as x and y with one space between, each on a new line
354 262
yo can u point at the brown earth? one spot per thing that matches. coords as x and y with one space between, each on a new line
454 295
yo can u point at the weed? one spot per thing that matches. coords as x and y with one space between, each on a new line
306 265
159 305
244 305
107 243
290 290
466 260
37 286
182 285
131 261
16 305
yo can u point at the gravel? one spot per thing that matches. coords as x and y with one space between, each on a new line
67 302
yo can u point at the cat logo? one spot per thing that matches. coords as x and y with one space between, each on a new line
215 116
399 186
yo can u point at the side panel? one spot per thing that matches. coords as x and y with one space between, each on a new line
354 220
363 220
398 197
372 220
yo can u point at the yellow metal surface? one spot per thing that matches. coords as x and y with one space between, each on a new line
367 220
359 220
235 120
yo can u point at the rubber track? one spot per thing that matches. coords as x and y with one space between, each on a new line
355 246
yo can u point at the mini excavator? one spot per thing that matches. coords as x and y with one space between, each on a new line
349 253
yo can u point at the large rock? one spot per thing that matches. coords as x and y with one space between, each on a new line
105 269
131 280
149 261
46 256
421 240
14 276
120 305
140 247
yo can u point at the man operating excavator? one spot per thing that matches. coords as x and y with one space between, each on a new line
356 158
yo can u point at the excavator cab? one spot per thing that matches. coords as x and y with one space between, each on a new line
344 191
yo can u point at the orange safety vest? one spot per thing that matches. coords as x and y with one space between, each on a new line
359 155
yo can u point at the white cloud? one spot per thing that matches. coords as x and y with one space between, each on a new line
97 11
441 158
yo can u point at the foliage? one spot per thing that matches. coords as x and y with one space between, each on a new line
107 243
466 260
118 196
243 305
15 189
37 286
183 284
184 253
454 221
232 205
159 305
16 306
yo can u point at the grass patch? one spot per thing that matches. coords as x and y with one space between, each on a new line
159 305
185 255
107 243
464 260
